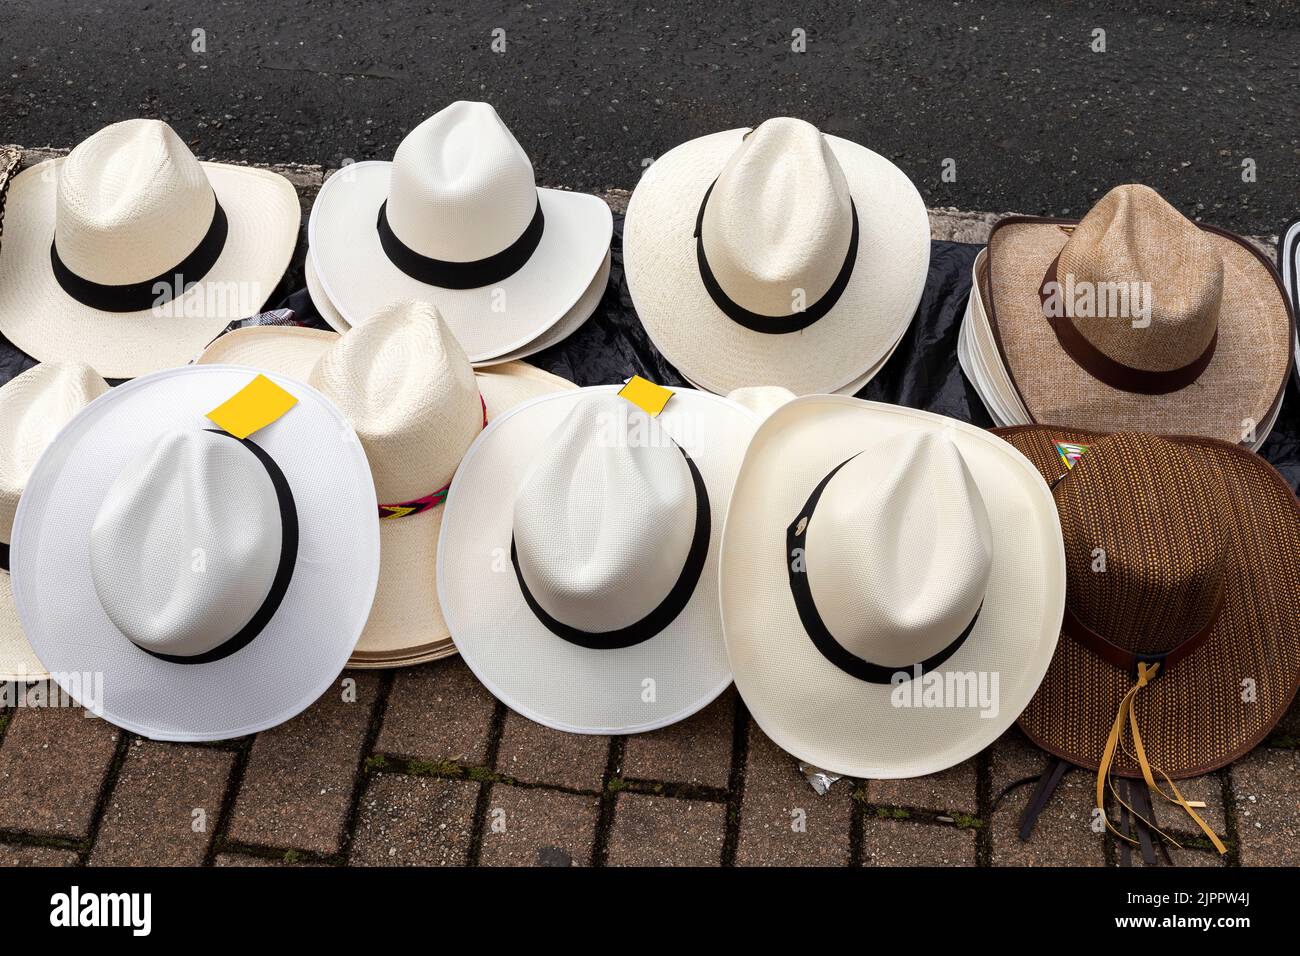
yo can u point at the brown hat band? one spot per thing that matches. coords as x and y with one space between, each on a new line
1110 372
1129 661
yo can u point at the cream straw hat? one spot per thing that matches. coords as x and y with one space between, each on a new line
406 386
578 562
130 255
195 554
457 219
893 583
777 255
34 406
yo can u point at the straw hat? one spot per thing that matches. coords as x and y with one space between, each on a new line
402 381
195 554
571 322
457 219
130 255
776 256
1288 260
1133 318
578 562
1180 557
34 406
892 585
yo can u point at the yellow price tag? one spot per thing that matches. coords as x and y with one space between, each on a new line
254 406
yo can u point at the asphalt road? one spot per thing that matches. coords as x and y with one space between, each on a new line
1013 93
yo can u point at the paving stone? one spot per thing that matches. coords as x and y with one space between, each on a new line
777 797
534 827
696 750
1062 836
951 790
913 843
437 711
1266 788
414 821
244 859
298 785
11 855
150 819
663 831
535 754
1207 788
52 767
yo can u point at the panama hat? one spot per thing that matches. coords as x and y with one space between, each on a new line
130 255
1288 259
578 562
457 219
1133 318
571 322
204 539
1180 648
405 385
892 585
34 406
777 256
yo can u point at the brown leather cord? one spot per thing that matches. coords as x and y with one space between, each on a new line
1127 660
1104 368
1047 784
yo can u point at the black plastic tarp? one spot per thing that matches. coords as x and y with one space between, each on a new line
923 372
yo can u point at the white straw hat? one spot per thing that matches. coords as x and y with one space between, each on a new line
776 256
577 566
404 383
34 406
211 586
457 219
865 540
130 255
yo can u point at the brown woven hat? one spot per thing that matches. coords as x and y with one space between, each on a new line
1182 618
1135 318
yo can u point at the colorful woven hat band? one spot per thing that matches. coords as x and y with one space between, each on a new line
417 506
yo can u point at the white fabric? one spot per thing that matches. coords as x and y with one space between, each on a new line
538 674
130 203
202 560
457 184
777 222
302 649
806 704
914 500
34 406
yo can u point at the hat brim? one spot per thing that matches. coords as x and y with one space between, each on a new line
1243 382
572 321
721 355
40 318
1288 259
406 623
806 704
18 662
356 276
1192 716
534 672
299 653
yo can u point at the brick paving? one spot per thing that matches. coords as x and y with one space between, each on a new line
423 767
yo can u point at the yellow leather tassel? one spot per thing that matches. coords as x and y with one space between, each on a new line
1128 713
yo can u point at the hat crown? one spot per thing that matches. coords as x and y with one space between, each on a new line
180 563
1133 244
132 203
408 390
605 518
898 550
34 406
1146 547
779 219
463 188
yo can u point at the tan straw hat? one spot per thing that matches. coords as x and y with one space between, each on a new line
457 219
406 386
1180 648
892 585
1133 318
34 406
130 255
776 255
